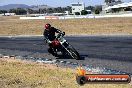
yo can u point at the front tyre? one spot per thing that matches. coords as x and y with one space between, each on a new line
73 53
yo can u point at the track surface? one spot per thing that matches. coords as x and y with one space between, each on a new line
110 52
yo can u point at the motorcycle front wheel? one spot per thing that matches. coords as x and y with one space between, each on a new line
73 53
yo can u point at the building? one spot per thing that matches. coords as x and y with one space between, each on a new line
119 8
67 12
109 4
9 14
116 6
77 7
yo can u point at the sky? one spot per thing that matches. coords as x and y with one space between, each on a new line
53 3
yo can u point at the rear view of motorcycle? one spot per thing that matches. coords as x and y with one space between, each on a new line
62 48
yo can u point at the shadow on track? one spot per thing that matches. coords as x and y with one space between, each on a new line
82 57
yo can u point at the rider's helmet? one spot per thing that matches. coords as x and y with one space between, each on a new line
47 26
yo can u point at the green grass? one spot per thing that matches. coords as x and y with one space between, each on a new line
27 74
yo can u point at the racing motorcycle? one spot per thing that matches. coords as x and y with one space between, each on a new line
62 48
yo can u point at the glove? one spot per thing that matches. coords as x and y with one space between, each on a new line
49 42
63 33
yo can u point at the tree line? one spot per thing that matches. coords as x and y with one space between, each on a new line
50 10
21 11
17 11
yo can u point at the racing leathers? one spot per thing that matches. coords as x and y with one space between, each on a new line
49 35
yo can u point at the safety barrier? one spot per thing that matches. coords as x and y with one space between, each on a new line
51 17
77 17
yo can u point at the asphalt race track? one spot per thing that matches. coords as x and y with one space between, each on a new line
104 51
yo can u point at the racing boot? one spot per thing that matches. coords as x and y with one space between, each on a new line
51 51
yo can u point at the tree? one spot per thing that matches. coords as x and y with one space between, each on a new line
92 8
55 10
44 10
77 13
21 11
18 11
50 10
30 11
84 12
69 8
12 11
35 11
3 11
98 9
60 10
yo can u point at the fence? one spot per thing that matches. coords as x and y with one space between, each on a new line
77 17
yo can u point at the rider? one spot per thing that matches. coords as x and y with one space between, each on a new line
49 35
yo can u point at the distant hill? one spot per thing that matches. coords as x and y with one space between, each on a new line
11 6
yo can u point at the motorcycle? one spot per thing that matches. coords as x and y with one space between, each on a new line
61 48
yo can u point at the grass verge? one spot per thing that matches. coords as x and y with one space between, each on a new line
15 26
16 73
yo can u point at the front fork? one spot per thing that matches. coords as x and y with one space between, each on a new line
65 45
